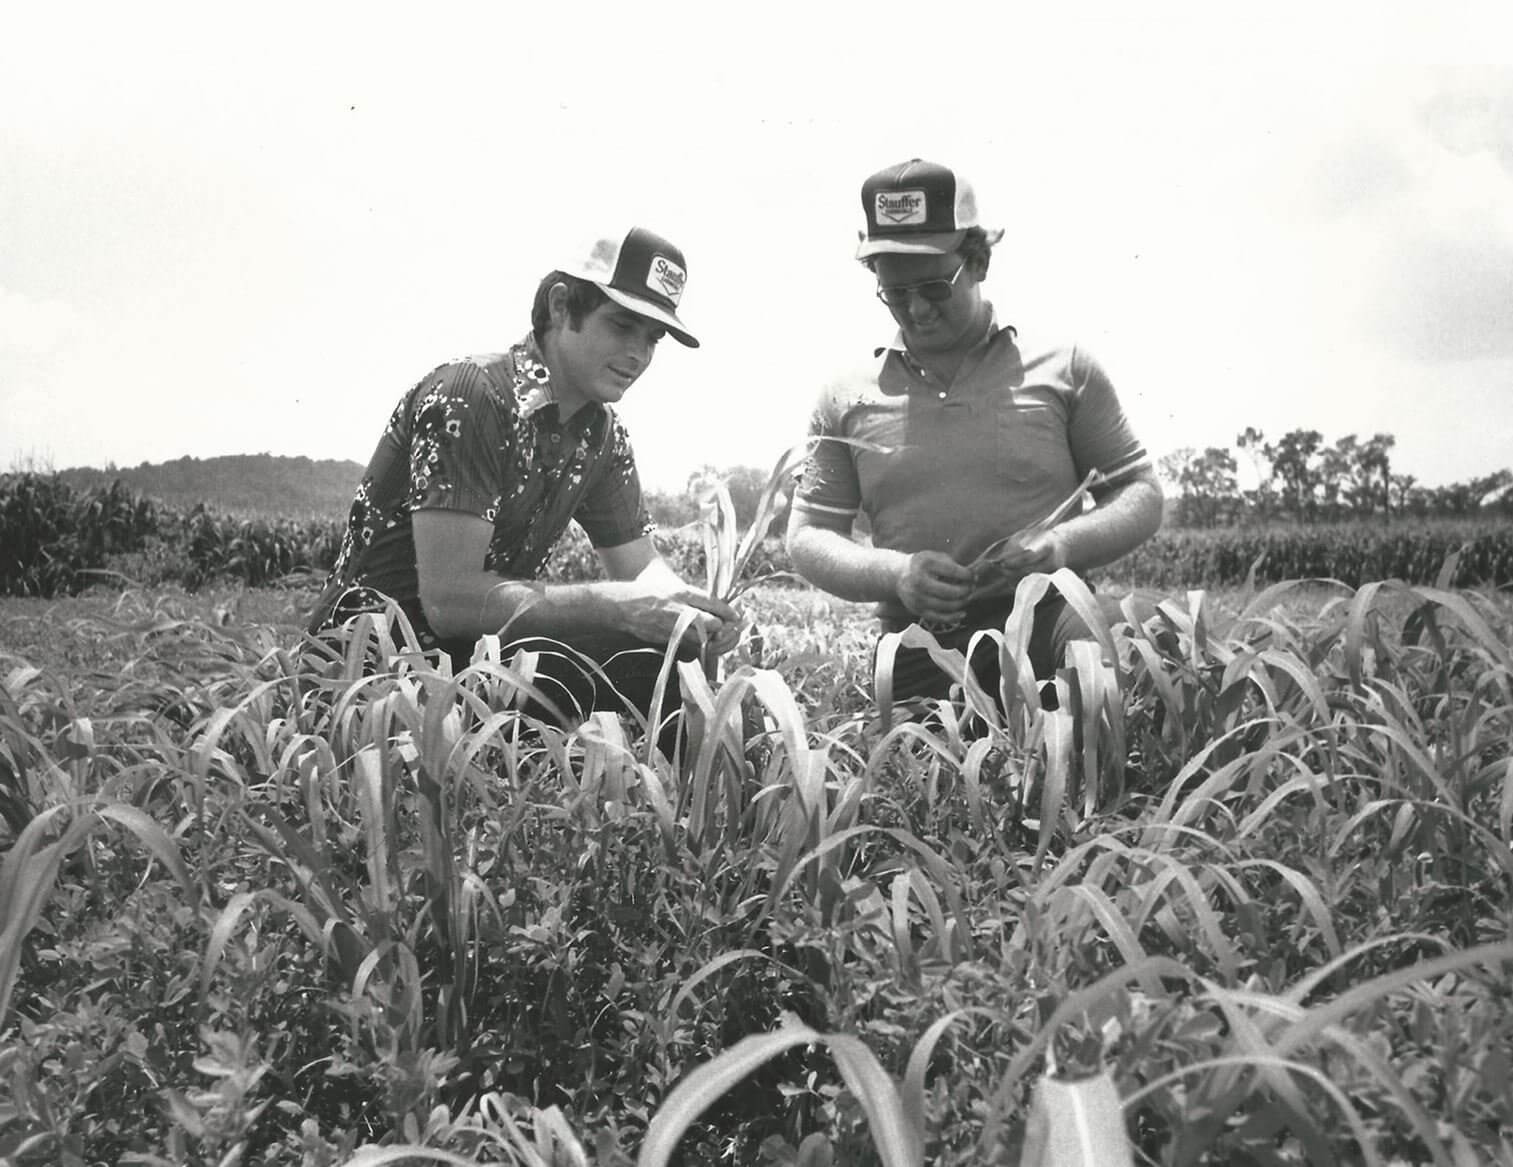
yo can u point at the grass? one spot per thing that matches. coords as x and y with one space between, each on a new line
1245 895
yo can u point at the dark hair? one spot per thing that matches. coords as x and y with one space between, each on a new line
582 298
975 251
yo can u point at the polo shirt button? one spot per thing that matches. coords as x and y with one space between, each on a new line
941 395
556 438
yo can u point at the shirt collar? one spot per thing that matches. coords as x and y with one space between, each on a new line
532 384
898 345
530 379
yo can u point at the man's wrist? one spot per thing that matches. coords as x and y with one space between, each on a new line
894 572
1061 549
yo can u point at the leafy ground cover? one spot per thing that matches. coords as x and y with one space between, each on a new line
264 905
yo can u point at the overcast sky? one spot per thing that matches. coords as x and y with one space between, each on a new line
253 232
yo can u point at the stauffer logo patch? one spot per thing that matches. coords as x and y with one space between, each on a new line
900 208
666 277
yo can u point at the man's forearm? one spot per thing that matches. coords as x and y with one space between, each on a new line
1117 525
839 565
470 606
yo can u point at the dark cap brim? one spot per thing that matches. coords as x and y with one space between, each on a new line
943 243
651 311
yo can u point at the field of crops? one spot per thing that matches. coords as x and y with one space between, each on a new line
1478 552
1248 886
55 540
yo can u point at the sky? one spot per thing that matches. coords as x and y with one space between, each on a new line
252 230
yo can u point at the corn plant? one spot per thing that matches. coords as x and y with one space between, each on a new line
894 1110
29 871
1245 885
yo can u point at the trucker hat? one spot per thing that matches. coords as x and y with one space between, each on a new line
919 208
641 271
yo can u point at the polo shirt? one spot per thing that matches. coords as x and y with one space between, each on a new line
954 467
483 436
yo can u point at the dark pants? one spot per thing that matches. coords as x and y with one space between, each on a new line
1056 625
609 672
601 672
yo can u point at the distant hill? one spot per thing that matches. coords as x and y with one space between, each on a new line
245 484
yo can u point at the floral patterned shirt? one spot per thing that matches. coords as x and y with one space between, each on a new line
482 435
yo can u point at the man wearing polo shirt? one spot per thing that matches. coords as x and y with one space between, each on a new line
486 461
962 438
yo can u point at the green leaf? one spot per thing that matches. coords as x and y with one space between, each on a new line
704 1085
1076 1124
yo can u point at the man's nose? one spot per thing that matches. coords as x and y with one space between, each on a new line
641 350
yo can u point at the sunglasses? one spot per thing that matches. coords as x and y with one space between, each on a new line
936 290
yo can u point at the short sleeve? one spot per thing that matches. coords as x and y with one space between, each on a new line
1099 433
613 511
462 438
829 489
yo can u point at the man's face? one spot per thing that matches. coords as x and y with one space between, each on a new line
604 356
931 326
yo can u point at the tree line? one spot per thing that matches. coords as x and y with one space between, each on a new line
1299 478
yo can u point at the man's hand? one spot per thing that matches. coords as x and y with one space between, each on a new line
652 615
998 577
934 587
654 598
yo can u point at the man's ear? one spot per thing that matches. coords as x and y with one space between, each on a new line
556 305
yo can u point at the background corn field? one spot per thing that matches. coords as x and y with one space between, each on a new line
1353 553
56 540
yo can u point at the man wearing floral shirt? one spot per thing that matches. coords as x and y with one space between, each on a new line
485 462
